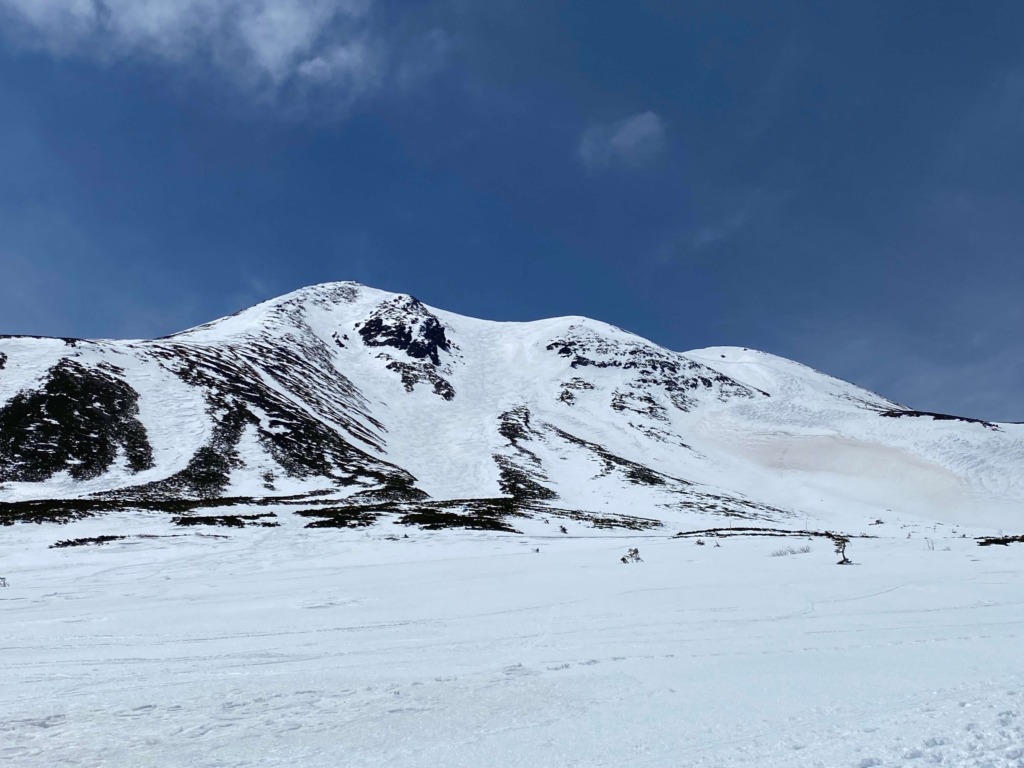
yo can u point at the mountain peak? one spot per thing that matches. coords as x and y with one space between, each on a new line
347 404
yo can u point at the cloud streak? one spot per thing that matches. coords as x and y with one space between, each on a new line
266 45
631 143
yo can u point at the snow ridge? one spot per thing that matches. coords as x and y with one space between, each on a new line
341 398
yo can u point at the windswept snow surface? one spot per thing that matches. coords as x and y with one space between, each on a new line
823 446
341 648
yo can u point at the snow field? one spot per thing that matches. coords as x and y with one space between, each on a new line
339 647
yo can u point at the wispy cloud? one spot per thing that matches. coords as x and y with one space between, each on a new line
268 46
630 143
727 220
728 214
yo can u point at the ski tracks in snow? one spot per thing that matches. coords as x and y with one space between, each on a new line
473 650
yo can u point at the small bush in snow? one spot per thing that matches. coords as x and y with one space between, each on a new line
632 556
841 543
791 551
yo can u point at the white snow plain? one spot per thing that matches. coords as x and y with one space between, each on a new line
295 647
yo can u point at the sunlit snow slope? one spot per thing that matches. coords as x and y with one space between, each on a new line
345 404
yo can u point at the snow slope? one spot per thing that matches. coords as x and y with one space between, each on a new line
346 391
363 648
343 392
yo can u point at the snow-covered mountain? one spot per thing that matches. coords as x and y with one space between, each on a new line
344 404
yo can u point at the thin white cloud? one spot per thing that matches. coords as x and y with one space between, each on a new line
630 143
355 65
729 214
267 45
422 57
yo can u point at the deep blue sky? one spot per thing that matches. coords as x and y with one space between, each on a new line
839 183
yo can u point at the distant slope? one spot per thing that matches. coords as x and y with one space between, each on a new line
346 403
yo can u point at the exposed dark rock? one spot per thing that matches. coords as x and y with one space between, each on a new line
522 485
234 380
639 402
475 514
78 420
572 386
641 474
897 413
514 425
48 511
661 435
770 532
518 484
340 517
728 506
988 541
392 488
406 325
632 471
85 542
656 370
418 374
227 521
433 520
68 510
606 519
208 472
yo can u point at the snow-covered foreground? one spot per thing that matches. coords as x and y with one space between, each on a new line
346 648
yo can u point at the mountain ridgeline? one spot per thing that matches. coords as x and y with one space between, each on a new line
343 406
